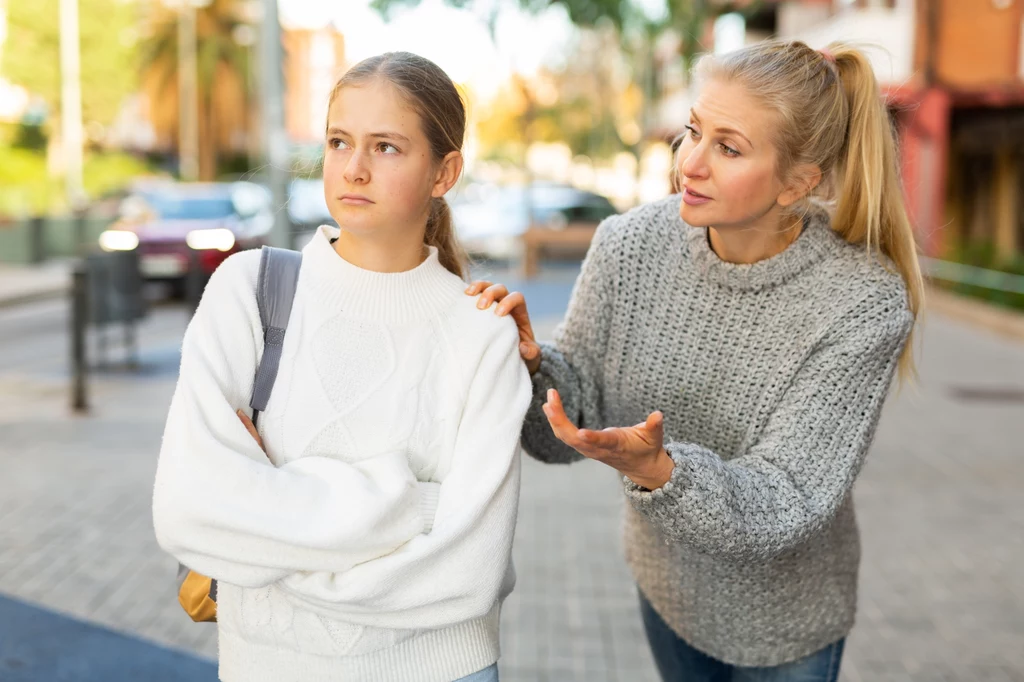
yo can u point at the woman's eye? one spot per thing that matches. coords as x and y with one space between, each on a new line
335 143
729 151
693 132
386 148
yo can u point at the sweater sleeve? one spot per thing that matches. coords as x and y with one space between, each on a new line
572 364
221 508
794 479
456 571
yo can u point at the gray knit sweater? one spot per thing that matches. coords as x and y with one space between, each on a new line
771 377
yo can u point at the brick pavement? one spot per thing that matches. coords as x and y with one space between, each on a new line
940 502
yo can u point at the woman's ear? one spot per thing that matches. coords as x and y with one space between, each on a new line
448 172
803 179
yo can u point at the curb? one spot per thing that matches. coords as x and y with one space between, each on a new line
33 296
981 314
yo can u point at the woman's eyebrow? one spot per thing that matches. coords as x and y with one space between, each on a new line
731 131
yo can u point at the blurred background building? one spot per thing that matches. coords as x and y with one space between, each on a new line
590 101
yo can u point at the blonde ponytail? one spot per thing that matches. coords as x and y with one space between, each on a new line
831 115
870 207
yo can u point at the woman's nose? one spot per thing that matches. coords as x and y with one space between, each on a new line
692 163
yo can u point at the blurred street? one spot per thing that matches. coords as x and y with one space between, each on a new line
939 506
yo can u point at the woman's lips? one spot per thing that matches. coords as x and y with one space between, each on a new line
691 198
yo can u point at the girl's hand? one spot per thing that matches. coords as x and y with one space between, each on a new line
634 451
251 428
515 304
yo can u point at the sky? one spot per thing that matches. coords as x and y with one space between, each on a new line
456 40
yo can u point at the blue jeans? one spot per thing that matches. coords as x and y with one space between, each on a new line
677 661
488 674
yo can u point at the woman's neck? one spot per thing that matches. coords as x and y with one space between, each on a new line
381 255
753 244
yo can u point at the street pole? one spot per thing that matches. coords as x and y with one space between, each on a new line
71 102
275 138
79 323
188 93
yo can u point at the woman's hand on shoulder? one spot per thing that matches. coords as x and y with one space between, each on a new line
510 303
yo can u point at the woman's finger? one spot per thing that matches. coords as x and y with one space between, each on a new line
563 428
476 287
495 292
510 303
515 304
653 429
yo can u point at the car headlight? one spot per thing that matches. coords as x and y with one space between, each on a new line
219 238
118 240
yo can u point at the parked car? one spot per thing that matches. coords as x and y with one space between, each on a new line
494 220
169 222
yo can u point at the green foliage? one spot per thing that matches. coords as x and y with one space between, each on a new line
26 187
31 54
28 136
983 254
103 173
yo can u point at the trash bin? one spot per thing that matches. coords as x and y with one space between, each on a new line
115 287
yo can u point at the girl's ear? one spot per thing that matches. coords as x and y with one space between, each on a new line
803 179
448 173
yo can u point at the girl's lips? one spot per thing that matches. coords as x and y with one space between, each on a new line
694 199
355 201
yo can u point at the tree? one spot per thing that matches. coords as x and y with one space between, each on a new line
686 19
223 57
31 55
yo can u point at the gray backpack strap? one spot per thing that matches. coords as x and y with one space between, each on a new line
275 291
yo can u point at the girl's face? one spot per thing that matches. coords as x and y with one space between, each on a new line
727 163
379 173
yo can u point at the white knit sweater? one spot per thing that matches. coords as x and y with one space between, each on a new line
373 541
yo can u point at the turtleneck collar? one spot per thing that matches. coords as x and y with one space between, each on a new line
388 297
815 242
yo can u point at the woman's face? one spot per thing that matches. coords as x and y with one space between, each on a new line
379 173
727 162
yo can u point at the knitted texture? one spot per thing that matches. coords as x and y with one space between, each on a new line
771 377
373 540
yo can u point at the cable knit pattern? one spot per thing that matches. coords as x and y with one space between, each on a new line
771 377
373 541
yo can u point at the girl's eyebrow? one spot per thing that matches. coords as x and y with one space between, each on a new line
386 134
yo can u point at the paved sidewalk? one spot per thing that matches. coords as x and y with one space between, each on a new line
940 506
24 283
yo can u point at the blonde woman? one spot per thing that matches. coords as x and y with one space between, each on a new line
728 351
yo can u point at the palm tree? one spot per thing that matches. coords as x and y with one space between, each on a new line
223 55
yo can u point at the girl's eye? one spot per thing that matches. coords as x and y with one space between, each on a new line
386 148
693 132
729 151
336 143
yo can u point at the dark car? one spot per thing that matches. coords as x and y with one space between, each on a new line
169 223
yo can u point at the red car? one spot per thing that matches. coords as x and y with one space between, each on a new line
172 223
